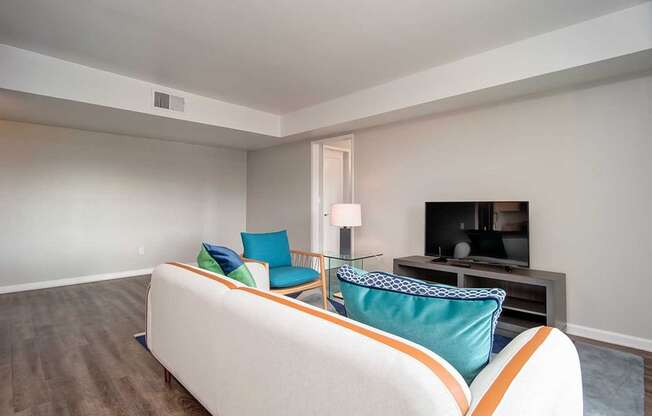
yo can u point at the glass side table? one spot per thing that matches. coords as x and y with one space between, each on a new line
333 262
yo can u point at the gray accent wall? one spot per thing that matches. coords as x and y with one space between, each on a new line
76 203
278 192
582 158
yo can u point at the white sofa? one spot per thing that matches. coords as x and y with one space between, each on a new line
243 351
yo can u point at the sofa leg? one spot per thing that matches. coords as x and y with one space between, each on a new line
167 376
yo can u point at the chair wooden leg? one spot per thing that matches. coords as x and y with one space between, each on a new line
167 376
324 285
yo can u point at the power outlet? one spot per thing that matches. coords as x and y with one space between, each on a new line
141 250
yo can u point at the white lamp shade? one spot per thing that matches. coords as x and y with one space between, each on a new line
346 215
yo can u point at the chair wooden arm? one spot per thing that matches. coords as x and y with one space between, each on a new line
308 259
264 263
306 253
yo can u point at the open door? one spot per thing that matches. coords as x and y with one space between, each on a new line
332 193
332 183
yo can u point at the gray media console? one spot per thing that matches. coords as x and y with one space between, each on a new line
534 297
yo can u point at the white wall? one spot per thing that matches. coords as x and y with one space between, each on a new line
278 192
581 157
583 160
77 203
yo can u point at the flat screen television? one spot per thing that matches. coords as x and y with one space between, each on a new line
494 232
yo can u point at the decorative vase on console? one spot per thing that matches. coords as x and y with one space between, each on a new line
461 250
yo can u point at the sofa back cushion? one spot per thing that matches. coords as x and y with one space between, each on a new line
273 248
216 336
457 324
293 357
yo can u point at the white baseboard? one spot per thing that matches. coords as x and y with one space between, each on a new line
73 281
610 337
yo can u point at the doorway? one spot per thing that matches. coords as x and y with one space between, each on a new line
332 183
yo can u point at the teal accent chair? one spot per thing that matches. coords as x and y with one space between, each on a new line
290 271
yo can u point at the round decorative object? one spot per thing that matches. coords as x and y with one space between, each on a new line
461 250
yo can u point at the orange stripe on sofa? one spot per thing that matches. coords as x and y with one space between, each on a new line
226 282
498 388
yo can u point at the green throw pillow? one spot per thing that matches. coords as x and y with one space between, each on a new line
206 262
227 261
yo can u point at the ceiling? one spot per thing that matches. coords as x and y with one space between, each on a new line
32 108
281 55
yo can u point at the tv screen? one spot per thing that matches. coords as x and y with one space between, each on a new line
488 232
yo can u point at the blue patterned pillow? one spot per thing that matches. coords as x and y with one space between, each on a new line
458 324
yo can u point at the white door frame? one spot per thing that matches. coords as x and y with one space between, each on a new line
346 184
316 186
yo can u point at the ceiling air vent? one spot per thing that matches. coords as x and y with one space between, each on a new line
169 102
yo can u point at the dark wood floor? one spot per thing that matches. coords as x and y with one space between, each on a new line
70 351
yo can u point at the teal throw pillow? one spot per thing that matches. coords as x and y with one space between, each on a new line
458 324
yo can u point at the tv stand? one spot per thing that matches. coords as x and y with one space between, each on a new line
534 297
